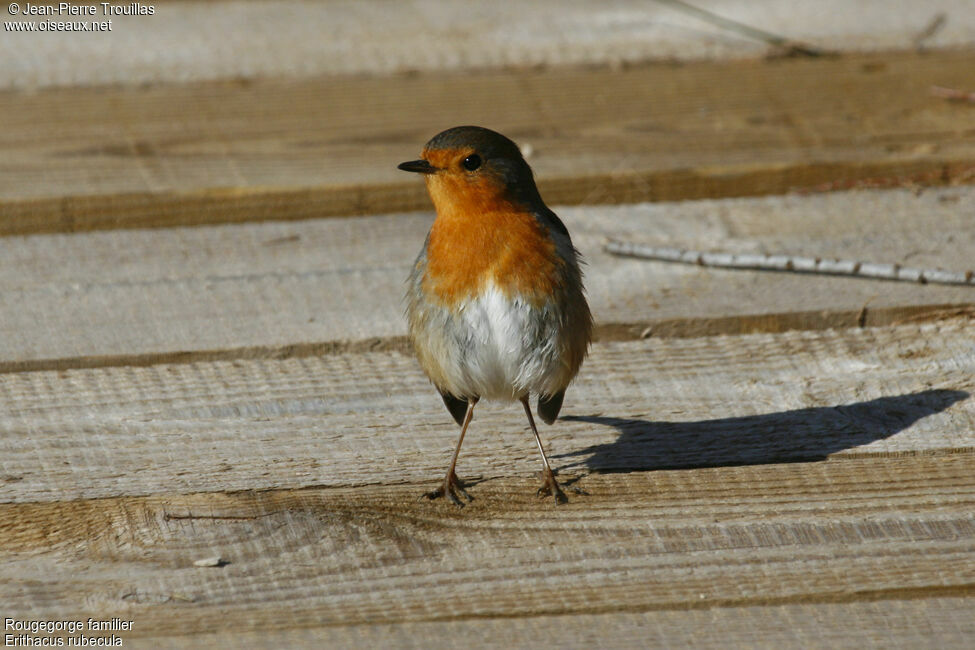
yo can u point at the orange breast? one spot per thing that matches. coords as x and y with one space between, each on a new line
479 237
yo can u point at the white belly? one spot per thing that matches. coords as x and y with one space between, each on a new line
502 348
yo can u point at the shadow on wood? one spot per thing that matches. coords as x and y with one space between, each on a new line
801 435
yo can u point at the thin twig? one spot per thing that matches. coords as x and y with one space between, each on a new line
792 263
784 45
933 27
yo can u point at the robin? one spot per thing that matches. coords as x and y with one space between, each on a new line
495 301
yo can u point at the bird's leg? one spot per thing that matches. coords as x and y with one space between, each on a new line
451 485
549 485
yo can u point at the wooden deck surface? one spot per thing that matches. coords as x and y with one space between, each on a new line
761 473
757 459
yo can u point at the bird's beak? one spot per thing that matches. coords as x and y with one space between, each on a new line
419 166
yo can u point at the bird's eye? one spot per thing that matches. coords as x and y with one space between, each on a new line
472 162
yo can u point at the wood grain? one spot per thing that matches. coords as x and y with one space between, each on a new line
219 152
285 289
372 418
843 531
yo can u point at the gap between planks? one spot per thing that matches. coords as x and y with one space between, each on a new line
665 328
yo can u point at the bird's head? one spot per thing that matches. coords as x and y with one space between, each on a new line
473 168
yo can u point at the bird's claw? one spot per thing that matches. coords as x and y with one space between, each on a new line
450 488
550 487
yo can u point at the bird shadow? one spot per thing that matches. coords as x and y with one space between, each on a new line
800 435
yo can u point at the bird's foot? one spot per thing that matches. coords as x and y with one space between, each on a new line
550 487
450 489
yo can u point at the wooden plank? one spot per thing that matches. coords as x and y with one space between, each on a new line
292 149
844 531
932 622
283 289
354 419
374 37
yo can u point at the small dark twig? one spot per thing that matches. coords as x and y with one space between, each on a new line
782 46
936 25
